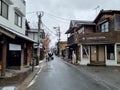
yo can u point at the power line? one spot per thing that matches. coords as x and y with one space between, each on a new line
58 17
51 15
97 9
31 12
43 24
51 30
52 33
48 32
48 28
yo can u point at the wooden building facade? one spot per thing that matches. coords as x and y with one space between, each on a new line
99 41
15 47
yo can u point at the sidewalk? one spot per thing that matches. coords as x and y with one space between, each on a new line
25 83
108 76
20 78
14 77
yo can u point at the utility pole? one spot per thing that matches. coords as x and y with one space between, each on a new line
39 14
59 35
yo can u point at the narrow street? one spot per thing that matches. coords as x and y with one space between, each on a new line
57 75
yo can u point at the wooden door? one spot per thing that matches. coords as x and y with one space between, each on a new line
101 53
93 53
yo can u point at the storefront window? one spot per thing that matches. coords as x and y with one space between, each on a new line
85 52
110 52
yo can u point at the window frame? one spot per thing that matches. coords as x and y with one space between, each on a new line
1 9
85 53
110 52
104 27
18 20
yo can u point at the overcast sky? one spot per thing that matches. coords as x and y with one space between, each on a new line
60 12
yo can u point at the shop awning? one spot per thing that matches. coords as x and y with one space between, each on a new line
13 34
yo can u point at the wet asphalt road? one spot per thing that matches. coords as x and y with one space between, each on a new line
57 75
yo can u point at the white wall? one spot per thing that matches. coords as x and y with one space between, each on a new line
36 37
111 63
30 35
33 36
11 16
84 61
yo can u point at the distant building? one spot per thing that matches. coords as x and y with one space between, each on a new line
61 48
33 34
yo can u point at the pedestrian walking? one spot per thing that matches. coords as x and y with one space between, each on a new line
50 55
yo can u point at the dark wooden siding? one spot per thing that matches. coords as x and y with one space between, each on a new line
109 18
89 29
104 37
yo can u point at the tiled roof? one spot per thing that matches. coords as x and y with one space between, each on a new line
78 23
102 12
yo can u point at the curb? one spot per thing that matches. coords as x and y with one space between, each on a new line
29 78
96 78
